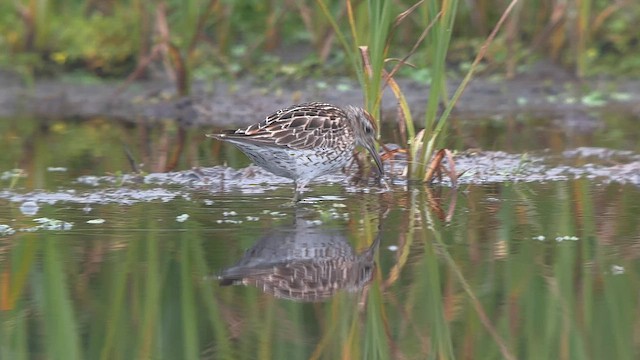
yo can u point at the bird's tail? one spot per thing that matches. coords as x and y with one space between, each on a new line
223 135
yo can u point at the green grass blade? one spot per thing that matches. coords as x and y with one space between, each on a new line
60 323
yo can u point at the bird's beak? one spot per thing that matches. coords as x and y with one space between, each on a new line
371 148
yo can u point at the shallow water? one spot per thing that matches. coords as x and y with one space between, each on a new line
127 266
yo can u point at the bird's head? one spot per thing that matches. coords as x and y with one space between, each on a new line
365 131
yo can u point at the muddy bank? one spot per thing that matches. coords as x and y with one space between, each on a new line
544 89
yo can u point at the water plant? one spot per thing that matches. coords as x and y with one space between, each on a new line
438 24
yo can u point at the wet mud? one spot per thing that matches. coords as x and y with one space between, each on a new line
543 89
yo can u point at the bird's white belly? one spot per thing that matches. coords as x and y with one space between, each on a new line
298 164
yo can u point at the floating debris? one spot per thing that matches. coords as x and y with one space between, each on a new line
29 208
182 218
273 213
567 238
229 221
96 221
620 96
49 225
6 230
13 173
617 270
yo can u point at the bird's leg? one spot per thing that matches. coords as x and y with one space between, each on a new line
299 190
297 196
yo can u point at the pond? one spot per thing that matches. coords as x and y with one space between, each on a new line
532 256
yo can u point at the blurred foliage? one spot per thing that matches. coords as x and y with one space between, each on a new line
96 43
219 37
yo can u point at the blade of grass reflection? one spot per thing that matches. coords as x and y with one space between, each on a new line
377 332
220 332
565 273
620 302
586 221
23 256
551 326
266 334
413 295
351 348
294 347
500 304
243 309
169 340
402 256
535 319
433 271
620 275
116 307
339 328
22 337
13 334
5 283
520 267
187 304
569 274
150 296
377 337
541 320
441 341
251 320
249 302
409 337
569 337
614 330
61 328
558 328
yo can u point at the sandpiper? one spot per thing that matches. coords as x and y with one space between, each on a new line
306 141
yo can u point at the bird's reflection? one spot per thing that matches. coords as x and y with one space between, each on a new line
303 263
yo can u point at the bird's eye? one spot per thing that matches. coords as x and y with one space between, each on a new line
368 130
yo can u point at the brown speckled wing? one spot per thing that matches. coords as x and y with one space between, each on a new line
302 126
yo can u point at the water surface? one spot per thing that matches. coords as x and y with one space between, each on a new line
125 267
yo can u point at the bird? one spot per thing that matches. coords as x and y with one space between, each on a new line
303 263
305 141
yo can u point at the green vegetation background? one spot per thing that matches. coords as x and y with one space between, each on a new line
293 38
